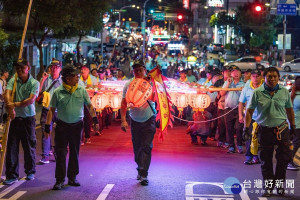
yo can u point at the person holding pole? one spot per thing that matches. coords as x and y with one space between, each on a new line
69 100
21 110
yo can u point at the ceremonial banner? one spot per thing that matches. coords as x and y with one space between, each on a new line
162 99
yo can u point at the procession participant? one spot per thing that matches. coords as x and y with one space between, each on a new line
94 72
183 77
191 78
3 77
121 76
247 92
295 96
49 83
232 102
142 127
69 100
247 75
87 80
21 110
274 106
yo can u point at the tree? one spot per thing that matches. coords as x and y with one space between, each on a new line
3 35
257 28
84 20
46 17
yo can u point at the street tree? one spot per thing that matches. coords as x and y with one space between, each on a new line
46 17
84 20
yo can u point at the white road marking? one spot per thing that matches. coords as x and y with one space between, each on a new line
105 192
12 187
262 198
17 195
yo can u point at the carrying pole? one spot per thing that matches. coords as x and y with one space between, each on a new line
5 135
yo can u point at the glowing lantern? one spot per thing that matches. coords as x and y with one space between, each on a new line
199 101
180 100
115 101
100 101
139 91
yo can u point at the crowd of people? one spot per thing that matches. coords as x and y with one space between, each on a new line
249 105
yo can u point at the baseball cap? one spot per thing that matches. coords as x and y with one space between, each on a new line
55 62
21 63
256 71
138 63
69 70
249 70
226 68
235 68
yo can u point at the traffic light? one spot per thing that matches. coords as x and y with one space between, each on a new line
258 8
179 17
151 11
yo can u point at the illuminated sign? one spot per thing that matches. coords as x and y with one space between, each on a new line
175 46
186 4
216 3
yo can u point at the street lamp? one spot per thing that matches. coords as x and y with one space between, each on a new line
144 27
131 6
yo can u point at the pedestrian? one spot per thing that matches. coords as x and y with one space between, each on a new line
231 107
274 106
295 96
87 80
255 82
143 127
69 100
3 77
49 83
21 110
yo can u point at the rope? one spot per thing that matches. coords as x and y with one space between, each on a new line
198 122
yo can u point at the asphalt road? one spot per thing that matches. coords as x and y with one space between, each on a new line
179 170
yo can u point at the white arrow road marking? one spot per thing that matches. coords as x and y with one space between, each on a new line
105 192
12 187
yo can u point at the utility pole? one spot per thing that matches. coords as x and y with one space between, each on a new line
284 38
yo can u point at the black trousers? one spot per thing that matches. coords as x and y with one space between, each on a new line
212 109
233 126
142 134
67 134
296 142
21 129
267 139
87 122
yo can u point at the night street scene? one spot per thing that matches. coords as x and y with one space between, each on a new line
149 99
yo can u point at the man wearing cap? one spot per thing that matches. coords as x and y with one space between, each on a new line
142 127
22 127
183 77
274 107
87 80
69 100
247 92
231 104
247 75
49 83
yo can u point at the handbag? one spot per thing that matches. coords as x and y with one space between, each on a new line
40 98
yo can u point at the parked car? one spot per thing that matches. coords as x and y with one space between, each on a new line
215 47
293 65
248 62
287 81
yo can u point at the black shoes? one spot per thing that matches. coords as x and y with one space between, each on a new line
58 185
144 181
73 182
